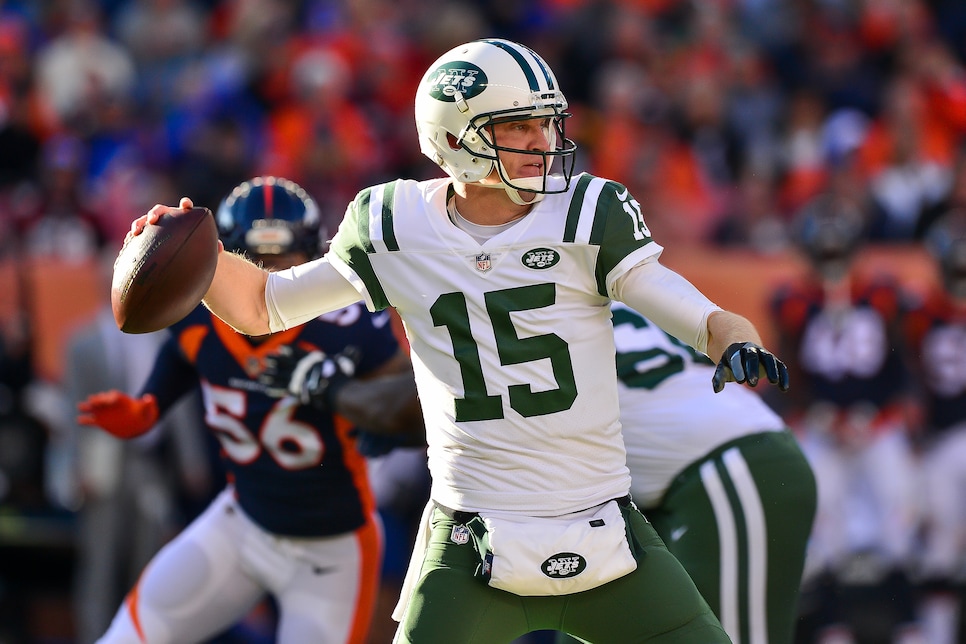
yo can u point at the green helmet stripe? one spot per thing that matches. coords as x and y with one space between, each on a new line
540 63
521 61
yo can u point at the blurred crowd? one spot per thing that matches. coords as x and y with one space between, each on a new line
729 120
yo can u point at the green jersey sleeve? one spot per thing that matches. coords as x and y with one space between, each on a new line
353 244
619 229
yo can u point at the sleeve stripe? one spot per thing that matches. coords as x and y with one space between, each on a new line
374 208
364 223
588 211
388 233
376 228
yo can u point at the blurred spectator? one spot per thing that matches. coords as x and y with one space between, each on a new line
836 65
20 130
82 65
622 133
23 438
906 158
125 492
952 207
218 159
319 136
936 328
62 226
802 153
838 330
157 31
164 37
755 221
754 106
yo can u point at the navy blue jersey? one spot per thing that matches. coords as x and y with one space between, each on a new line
844 354
295 469
936 332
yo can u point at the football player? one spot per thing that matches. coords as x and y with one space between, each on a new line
936 329
842 329
721 478
502 272
296 520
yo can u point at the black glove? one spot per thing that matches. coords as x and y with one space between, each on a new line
743 361
311 376
371 444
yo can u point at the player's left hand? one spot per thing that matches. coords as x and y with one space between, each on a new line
119 414
311 376
746 362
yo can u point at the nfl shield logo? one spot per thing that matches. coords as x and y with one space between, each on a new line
460 535
483 262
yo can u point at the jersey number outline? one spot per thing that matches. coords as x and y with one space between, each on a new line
449 310
648 368
292 444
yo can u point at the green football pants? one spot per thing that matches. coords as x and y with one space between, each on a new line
739 521
657 603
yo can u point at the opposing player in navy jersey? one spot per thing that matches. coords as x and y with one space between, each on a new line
502 272
297 518
841 329
936 331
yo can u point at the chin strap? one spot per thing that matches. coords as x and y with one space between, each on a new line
514 194
536 183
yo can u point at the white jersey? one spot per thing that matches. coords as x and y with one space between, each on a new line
671 416
511 339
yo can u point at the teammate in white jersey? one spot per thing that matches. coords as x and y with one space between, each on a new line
720 477
502 274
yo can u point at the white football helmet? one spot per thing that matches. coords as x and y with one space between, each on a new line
472 86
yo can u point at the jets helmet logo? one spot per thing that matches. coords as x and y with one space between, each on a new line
465 79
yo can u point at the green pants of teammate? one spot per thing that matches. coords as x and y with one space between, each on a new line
739 521
658 603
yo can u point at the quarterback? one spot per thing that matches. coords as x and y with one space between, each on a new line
502 272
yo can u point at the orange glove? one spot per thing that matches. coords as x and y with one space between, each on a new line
119 414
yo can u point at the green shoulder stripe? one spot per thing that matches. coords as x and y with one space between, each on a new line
576 206
353 246
388 233
607 202
362 218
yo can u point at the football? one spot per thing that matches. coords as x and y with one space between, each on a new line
162 274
